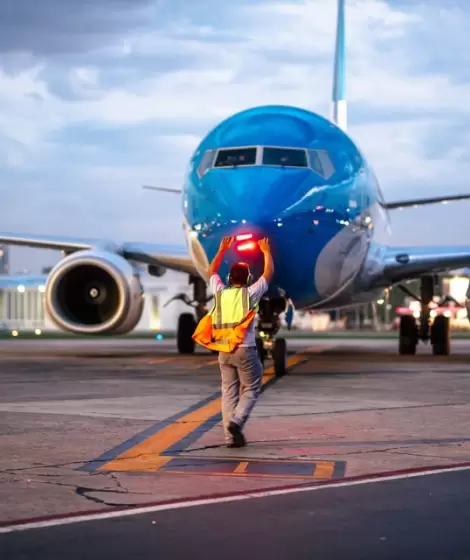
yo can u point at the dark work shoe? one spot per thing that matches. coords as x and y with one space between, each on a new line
237 434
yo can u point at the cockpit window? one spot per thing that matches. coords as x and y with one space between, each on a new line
285 157
326 163
206 162
318 161
315 162
235 157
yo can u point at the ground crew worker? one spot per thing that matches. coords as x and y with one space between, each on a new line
289 314
232 326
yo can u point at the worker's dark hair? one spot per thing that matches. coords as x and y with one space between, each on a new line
239 274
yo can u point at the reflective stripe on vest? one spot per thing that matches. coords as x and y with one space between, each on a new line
232 305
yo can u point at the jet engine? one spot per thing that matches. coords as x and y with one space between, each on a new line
94 293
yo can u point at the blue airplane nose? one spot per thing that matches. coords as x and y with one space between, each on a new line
255 195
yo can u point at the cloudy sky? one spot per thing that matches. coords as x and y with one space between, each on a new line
100 97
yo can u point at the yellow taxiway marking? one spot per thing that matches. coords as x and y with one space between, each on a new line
245 474
146 455
241 469
256 467
323 469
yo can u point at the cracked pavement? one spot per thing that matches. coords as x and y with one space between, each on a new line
359 403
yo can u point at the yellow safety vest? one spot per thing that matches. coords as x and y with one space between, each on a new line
224 327
230 308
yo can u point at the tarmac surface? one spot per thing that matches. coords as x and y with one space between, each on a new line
411 518
93 430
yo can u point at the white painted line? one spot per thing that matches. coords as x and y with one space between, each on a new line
220 500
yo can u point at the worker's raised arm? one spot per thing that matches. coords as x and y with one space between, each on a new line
215 264
268 259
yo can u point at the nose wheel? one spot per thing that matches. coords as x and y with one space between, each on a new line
279 355
276 349
268 344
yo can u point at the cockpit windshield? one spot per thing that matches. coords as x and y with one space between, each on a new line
234 157
317 160
285 157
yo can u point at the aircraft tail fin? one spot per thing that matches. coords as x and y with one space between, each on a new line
339 108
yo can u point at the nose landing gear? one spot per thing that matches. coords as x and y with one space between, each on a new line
268 326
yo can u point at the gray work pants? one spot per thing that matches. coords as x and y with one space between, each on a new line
241 373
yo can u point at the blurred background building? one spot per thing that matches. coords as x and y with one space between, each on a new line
4 264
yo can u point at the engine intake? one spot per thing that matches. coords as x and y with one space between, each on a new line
94 292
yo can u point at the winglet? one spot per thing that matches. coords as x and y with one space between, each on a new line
339 109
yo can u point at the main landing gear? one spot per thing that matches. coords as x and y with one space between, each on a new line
268 326
411 330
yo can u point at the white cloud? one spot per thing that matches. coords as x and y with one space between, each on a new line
184 75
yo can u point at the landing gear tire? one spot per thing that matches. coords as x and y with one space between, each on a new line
408 337
186 327
440 336
279 352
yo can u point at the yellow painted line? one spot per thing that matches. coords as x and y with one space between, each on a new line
323 469
145 456
245 474
157 463
282 460
241 468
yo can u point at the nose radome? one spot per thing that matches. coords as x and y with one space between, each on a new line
256 194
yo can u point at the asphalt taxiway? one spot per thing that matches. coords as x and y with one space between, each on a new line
99 429
397 519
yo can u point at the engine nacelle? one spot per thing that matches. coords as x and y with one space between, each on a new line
95 293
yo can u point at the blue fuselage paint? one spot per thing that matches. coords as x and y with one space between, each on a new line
321 229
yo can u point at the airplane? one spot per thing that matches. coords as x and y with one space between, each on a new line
275 171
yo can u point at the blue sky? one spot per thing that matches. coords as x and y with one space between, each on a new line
98 98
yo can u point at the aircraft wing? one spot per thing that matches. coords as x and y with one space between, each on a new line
423 201
162 189
174 257
405 263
